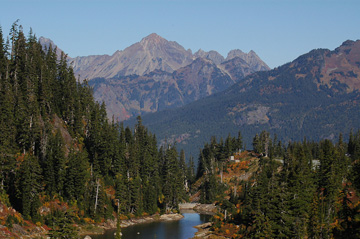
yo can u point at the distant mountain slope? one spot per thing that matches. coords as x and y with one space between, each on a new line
46 43
151 53
237 68
127 96
213 56
156 74
316 95
251 58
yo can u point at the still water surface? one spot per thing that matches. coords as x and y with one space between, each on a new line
181 229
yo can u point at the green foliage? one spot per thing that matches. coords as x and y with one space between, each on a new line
28 186
57 145
261 143
304 190
77 175
289 101
210 163
54 164
62 227
11 220
118 229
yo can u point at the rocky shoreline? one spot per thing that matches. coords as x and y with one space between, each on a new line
208 209
93 229
164 217
18 231
204 232
111 224
203 229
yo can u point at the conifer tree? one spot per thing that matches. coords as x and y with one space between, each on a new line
347 225
7 122
77 175
54 165
239 141
190 174
62 227
29 187
257 144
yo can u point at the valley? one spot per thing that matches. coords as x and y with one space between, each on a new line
108 141
156 74
293 101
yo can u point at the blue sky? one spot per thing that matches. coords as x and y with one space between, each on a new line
277 30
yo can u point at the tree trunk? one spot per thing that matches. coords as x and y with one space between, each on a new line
221 172
97 193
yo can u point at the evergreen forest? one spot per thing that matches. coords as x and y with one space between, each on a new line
298 190
62 162
58 149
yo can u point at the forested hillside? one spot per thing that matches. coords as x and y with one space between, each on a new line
59 155
62 163
300 190
312 96
156 74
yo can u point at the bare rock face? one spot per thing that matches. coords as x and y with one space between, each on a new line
151 53
200 79
342 67
213 56
237 68
251 58
134 90
171 217
313 95
128 96
206 208
47 43
156 74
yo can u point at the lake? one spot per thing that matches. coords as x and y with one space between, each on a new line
180 229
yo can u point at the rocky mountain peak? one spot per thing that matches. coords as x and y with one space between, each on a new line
234 53
342 66
153 52
252 53
213 56
348 45
202 60
153 38
251 58
312 95
46 43
200 52
159 46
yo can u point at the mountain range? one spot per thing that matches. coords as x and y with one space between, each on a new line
315 96
190 97
152 53
156 74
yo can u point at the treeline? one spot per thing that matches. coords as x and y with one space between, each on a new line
212 160
301 190
56 144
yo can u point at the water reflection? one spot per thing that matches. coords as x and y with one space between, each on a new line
181 229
